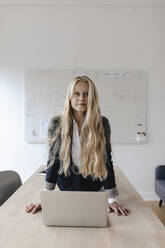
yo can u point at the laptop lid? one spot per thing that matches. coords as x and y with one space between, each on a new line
74 208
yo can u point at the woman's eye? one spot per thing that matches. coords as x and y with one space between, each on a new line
86 94
78 94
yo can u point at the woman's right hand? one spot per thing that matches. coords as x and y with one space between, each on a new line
33 208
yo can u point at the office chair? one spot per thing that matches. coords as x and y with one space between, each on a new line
10 181
160 182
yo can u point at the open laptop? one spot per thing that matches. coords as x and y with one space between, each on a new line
74 208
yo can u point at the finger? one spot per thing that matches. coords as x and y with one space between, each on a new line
27 208
116 210
30 208
110 209
122 211
36 209
126 209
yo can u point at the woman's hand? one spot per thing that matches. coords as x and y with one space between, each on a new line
118 209
34 208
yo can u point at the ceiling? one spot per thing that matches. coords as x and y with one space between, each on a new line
80 2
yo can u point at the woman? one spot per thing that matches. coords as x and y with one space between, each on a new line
79 147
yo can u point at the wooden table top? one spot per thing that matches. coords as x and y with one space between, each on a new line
139 229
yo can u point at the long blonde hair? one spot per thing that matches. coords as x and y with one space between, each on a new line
93 153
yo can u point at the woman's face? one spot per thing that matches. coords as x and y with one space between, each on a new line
79 99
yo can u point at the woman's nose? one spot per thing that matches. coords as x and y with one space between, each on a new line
81 96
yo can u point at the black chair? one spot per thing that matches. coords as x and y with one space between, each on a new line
10 181
160 183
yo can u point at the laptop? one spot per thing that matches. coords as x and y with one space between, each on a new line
74 208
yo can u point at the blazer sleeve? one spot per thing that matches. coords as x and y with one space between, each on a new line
51 175
53 163
109 182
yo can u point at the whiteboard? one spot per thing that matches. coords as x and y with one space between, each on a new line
122 98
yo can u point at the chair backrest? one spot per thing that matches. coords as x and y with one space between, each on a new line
10 181
160 172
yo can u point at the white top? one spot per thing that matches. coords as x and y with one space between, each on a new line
76 152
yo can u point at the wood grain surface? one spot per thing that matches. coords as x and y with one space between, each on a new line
141 228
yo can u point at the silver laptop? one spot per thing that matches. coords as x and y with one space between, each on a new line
74 208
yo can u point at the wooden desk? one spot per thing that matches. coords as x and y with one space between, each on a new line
19 229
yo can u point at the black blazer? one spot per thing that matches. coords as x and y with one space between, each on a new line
75 181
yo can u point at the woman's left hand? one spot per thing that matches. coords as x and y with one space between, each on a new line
118 209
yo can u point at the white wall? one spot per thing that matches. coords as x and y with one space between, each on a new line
92 37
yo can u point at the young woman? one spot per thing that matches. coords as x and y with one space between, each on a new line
79 147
